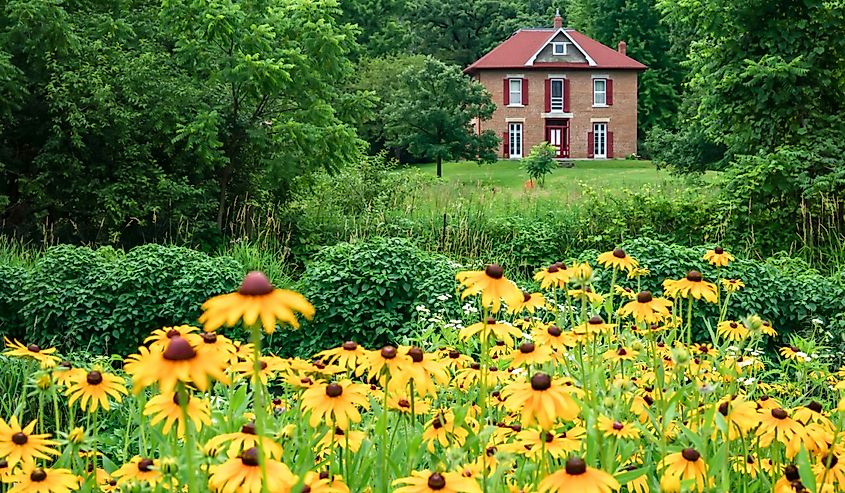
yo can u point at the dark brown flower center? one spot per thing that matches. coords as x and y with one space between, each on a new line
475 366
526 347
541 381
388 352
173 333
526 296
306 381
66 364
350 345
437 424
495 271
644 297
94 378
618 426
179 349
250 457
436 481
4 464
795 349
619 253
334 390
690 454
718 250
621 351
416 354
500 343
791 473
145 465
19 438
575 466
248 429
723 408
255 284
595 320
815 406
454 354
694 276
554 331
734 325
33 348
779 413
38 475
403 403
209 337
552 269
831 461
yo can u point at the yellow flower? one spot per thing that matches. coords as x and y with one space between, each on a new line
686 465
345 439
500 330
20 446
777 425
741 416
336 403
620 354
243 475
427 373
321 483
242 440
256 299
94 388
166 407
442 430
618 429
528 354
692 286
586 295
732 285
493 286
553 276
348 355
436 482
530 302
576 476
718 257
40 480
646 308
178 362
33 351
732 330
541 400
618 259
140 470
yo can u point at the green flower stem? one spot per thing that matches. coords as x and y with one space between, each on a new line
258 403
182 392
384 443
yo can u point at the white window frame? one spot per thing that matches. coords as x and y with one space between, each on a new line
556 104
515 101
560 44
596 93
515 140
600 140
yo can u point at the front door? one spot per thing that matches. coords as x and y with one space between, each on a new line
515 140
600 140
558 137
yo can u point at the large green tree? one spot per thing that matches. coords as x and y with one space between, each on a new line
433 114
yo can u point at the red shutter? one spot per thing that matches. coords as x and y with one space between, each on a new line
505 144
566 95
506 92
548 103
609 87
590 142
525 92
609 144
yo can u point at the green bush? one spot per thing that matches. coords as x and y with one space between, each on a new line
106 301
12 281
368 292
540 162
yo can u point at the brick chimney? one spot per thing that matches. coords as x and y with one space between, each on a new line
558 20
622 48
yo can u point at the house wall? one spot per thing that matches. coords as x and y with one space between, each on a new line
621 116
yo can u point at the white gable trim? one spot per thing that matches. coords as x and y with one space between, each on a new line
590 60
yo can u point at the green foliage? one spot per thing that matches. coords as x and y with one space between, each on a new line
368 291
540 162
433 112
106 301
685 151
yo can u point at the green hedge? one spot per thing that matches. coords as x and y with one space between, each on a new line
105 300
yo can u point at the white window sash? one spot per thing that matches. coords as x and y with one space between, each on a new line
556 101
599 96
515 96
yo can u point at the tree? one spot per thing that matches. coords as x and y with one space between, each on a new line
434 112
540 162
639 24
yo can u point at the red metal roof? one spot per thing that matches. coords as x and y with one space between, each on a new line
517 51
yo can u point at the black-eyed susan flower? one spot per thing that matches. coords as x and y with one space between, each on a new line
686 465
94 388
692 286
528 354
159 337
493 286
388 362
577 476
323 482
625 292
335 403
347 355
139 469
618 259
586 295
550 335
791 478
442 430
616 428
167 408
346 439
32 351
243 475
257 299
621 353
43 480
646 308
178 362
793 353
732 285
19 445
219 344
746 464
732 330
530 303
532 443
542 400
455 360
740 415
436 482
777 425
427 372
268 367
553 276
501 331
244 439
718 257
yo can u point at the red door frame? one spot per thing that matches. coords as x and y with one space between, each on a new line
563 126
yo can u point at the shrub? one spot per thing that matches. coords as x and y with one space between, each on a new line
106 301
368 291
540 162
12 281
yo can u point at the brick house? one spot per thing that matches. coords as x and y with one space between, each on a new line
558 86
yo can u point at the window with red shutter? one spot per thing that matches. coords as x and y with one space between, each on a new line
590 144
506 91
525 92
548 103
609 96
505 143
609 145
566 95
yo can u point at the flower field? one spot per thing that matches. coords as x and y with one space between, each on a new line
562 390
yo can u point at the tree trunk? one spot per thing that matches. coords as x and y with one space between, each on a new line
439 167
225 175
